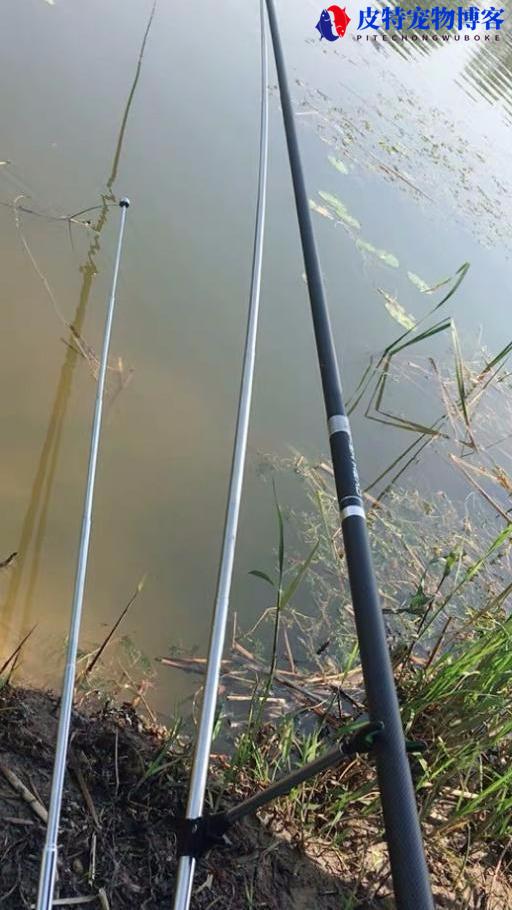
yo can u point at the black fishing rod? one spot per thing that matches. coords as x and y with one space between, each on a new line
403 833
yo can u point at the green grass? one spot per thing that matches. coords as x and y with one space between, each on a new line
444 574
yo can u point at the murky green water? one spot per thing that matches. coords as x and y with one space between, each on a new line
87 117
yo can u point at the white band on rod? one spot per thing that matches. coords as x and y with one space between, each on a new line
338 423
352 510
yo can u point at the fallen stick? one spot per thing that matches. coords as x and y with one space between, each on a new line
283 677
103 899
9 820
24 792
71 901
74 764
189 664
314 701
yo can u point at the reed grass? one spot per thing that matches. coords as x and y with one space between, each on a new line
444 570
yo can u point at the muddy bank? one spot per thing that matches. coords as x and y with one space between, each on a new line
118 846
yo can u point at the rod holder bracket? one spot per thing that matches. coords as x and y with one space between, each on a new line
195 836
364 739
415 746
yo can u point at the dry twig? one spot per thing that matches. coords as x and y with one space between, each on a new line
24 792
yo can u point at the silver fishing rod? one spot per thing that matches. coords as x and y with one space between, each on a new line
49 857
187 860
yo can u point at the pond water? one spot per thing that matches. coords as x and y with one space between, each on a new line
109 98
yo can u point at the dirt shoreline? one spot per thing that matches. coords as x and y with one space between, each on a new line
117 843
118 848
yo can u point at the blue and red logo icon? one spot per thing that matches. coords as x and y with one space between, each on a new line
332 23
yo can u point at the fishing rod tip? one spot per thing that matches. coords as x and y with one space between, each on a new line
125 203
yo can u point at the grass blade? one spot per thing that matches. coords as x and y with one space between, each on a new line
296 580
459 373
